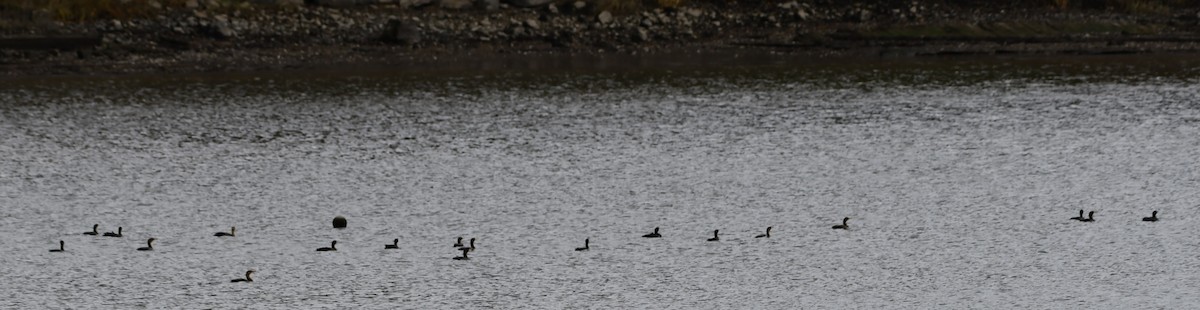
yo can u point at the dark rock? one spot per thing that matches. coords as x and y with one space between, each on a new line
518 32
339 222
564 38
402 32
642 35
414 3
487 5
455 4
338 3
224 31
527 3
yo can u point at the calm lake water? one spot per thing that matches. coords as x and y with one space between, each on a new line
959 176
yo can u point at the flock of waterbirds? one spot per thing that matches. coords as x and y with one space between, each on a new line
845 225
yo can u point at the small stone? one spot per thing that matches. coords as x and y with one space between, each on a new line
224 31
191 4
642 35
579 5
339 222
531 23
604 17
553 9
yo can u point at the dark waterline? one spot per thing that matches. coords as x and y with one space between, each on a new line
509 70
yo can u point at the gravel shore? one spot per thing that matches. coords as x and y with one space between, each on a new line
213 36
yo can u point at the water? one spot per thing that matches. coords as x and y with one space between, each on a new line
958 178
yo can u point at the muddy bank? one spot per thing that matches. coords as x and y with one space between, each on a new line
208 36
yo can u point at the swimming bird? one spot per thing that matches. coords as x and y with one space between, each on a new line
653 234
1089 218
149 245
1153 217
1080 217
62 247
232 233
247 279
715 237
469 248
332 247
395 244
458 244
93 232
117 234
766 235
464 257
585 245
844 225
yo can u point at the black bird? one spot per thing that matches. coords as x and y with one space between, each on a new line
232 233
1153 217
844 225
149 245
585 245
93 232
332 247
458 244
62 247
1080 217
1089 218
395 244
247 279
469 248
117 234
464 257
715 237
653 234
766 235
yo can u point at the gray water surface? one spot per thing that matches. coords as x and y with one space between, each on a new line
958 181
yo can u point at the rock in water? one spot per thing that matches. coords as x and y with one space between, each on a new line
339 222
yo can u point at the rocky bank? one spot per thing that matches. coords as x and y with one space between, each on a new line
219 35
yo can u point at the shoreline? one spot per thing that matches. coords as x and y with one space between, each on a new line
306 38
